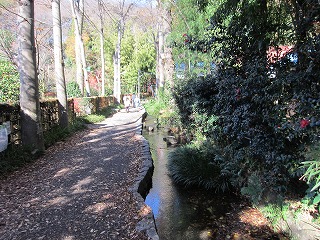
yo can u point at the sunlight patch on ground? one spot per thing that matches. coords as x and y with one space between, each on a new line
83 182
253 217
96 208
108 159
94 140
98 170
62 172
57 201
77 188
68 238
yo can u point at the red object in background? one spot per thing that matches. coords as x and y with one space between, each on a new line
304 123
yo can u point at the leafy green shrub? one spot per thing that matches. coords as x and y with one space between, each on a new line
192 166
92 118
254 128
60 134
254 189
9 84
54 135
163 109
264 123
275 213
73 90
311 175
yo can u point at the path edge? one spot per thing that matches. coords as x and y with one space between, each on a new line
142 185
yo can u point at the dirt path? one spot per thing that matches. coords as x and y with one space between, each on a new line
79 189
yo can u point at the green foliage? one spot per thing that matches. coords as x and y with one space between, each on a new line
311 175
254 189
192 166
137 54
9 83
73 90
54 135
262 123
163 109
275 213
312 168
92 118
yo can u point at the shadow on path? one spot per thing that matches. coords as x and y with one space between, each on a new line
79 189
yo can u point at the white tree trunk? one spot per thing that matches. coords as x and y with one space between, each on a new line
165 65
103 92
79 73
161 58
117 63
31 128
59 64
168 63
77 16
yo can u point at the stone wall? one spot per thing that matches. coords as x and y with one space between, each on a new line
142 186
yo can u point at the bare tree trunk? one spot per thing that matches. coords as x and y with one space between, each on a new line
160 47
59 64
79 71
161 57
167 51
115 75
77 16
103 92
123 13
165 59
31 128
79 74
117 65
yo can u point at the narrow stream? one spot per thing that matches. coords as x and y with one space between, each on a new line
186 214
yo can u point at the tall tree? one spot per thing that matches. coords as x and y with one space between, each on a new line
100 6
123 12
77 8
31 129
59 64
165 65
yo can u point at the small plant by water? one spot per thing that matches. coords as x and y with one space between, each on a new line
190 165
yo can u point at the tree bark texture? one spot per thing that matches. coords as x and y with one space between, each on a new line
165 65
77 13
103 92
31 128
59 64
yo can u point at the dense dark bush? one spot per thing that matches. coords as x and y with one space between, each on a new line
264 124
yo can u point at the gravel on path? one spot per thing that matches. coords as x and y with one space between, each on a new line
80 188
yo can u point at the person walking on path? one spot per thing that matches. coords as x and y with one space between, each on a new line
133 98
79 189
127 104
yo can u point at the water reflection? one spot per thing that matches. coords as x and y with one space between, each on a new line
185 214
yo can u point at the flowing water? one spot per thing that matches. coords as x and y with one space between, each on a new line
186 214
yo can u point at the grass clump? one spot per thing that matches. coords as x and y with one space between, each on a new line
191 165
163 108
275 213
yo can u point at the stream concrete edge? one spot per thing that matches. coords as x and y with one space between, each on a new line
142 185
